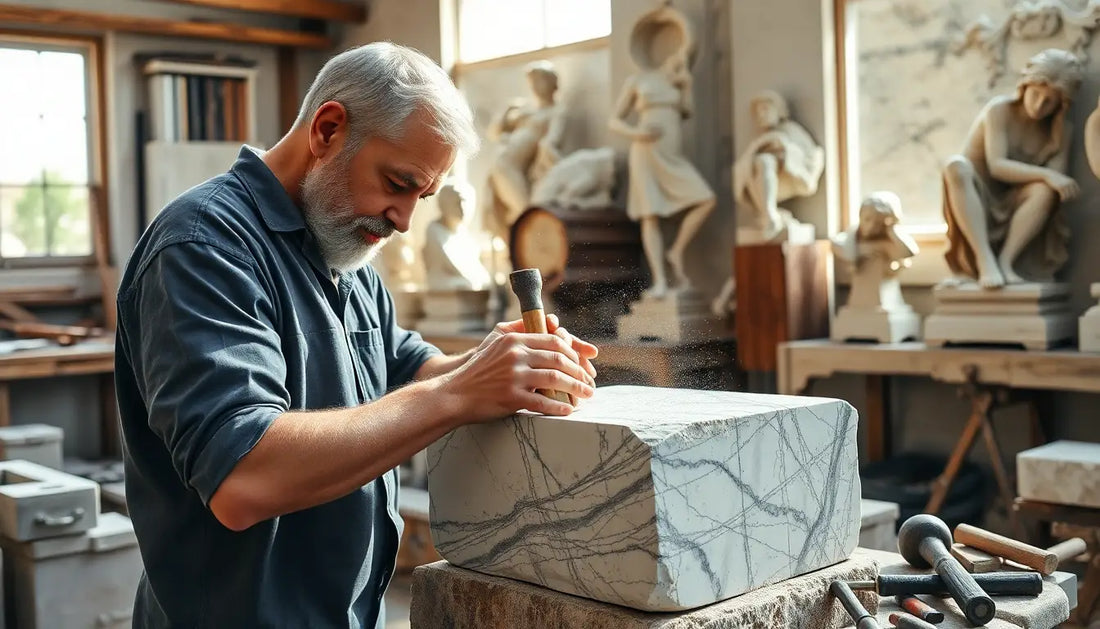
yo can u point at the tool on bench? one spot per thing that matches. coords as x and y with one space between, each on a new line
527 285
860 616
905 621
1045 561
923 541
999 583
919 608
1069 549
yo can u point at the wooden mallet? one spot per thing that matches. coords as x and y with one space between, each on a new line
527 285
1043 561
923 541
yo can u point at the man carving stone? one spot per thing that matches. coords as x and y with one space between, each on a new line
1002 194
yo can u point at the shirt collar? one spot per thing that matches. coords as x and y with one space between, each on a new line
276 207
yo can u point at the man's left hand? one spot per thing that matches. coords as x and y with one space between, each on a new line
585 350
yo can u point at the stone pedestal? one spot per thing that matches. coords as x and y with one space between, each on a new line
37 443
1036 316
454 312
796 234
652 498
677 317
892 325
444 595
1088 326
783 295
1062 472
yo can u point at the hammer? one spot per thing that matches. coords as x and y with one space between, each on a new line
527 285
923 541
1044 561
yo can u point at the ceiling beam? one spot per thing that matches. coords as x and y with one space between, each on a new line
317 9
86 20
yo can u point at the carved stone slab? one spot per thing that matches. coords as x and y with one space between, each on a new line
37 502
38 443
1036 316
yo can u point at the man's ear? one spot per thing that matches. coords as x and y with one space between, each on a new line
328 129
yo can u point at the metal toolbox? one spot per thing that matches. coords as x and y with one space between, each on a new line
37 443
75 581
38 502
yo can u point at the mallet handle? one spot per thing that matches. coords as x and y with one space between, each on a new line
1044 561
534 321
999 583
1068 549
976 604
862 618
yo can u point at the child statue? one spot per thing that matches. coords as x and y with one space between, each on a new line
1002 193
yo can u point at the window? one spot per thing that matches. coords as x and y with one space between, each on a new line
910 99
488 29
46 149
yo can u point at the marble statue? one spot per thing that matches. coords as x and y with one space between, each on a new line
650 498
1088 326
452 256
663 183
1002 193
396 263
530 135
876 251
782 162
582 180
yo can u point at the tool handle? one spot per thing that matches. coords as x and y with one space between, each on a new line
975 604
1044 561
997 583
905 621
860 616
1068 549
919 608
534 321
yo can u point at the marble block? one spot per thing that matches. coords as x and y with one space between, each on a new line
878 524
447 596
676 317
1037 316
1062 472
652 498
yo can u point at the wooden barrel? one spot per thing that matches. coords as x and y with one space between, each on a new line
586 257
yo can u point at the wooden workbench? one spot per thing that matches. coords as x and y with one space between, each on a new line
88 358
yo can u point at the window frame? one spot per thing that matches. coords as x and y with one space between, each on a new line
96 120
518 57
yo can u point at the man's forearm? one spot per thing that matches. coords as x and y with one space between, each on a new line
308 458
439 365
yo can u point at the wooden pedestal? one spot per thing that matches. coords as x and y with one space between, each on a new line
782 295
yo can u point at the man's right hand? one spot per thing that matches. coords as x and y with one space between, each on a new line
501 378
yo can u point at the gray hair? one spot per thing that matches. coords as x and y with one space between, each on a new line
380 85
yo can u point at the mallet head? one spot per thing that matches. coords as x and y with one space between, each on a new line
913 532
527 285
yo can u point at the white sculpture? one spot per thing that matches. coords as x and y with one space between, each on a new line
582 180
663 183
530 136
396 263
1088 326
452 257
876 251
782 162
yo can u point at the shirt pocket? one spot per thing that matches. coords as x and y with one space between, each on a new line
369 353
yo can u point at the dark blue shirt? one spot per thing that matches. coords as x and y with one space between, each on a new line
228 317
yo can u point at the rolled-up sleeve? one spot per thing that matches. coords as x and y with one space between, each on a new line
406 350
209 362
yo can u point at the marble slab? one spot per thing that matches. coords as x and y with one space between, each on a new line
447 596
652 498
1062 472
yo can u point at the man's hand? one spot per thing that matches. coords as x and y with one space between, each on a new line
502 375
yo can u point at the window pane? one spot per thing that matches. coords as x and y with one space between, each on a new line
19 80
68 221
65 150
21 148
495 28
61 80
569 21
916 99
22 221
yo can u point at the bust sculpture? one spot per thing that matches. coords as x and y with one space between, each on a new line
780 163
876 252
529 134
452 257
663 183
1002 193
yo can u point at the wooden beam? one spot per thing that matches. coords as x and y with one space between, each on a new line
287 61
87 20
318 9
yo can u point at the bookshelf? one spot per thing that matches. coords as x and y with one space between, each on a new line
198 116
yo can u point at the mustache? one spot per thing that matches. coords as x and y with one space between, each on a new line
379 226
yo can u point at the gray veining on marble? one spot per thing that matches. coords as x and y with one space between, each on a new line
656 499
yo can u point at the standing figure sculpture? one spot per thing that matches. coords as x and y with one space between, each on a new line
1002 194
530 136
782 162
663 183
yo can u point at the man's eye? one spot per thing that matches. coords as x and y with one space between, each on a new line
396 187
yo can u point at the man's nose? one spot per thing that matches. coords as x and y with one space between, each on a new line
400 214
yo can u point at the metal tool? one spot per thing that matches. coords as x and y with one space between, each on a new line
923 541
851 604
999 583
919 608
905 621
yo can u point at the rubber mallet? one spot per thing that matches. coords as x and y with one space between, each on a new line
923 541
527 285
